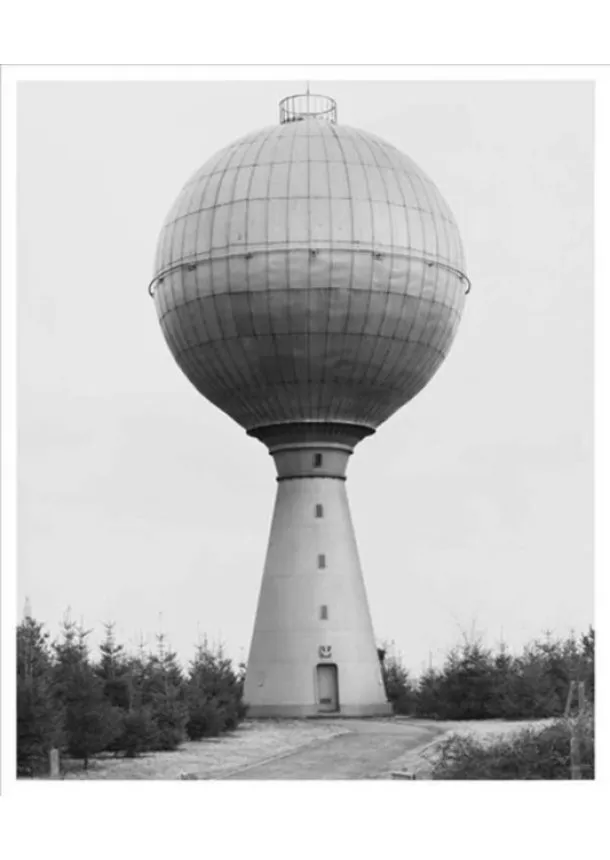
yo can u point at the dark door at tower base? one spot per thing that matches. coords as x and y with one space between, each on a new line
328 687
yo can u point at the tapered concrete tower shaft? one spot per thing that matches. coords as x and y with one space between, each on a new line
313 649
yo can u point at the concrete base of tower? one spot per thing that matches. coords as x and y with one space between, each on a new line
261 712
313 650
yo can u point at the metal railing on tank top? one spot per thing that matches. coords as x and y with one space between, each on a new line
307 106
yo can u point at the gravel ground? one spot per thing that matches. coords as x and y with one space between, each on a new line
364 750
251 743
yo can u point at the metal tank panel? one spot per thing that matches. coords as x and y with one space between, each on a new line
309 272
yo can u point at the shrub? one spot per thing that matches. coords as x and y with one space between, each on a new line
533 753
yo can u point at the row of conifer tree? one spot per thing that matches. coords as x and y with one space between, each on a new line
120 703
128 704
476 682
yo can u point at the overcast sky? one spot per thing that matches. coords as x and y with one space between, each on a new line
472 505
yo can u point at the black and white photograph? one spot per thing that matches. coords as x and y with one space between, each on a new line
304 431
295 264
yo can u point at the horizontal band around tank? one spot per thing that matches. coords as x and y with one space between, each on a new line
341 332
344 160
379 253
324 198
300 433
312 475
313 444
291 290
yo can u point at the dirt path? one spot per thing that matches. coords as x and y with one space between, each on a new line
296 749
365 750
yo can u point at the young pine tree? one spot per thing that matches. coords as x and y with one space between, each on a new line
91 723
39 717
139 731
163 692
113 669
467 682
214 694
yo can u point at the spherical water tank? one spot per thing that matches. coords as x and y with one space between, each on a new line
309 272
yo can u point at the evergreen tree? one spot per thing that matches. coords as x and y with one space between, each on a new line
429 697
113 669
503 701
121 676
465 684
39 718
163 692
214 694
139 731
90 721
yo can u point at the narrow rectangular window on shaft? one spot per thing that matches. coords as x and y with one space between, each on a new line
317 460
324 613
319 511
321 561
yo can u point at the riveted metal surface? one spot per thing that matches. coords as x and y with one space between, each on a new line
309 272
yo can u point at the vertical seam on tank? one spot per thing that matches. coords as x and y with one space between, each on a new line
289 255
229 392
439 352
396 165
188 355
418 298
374 379
212 358
400 168
419 367
439 340
319 410
453 318
449 231
441 334
247 293
309 258
423 253
352 242
275 407
443 280
362 336
227 360
261 410
196 363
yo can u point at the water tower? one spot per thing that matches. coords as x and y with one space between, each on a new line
309 281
